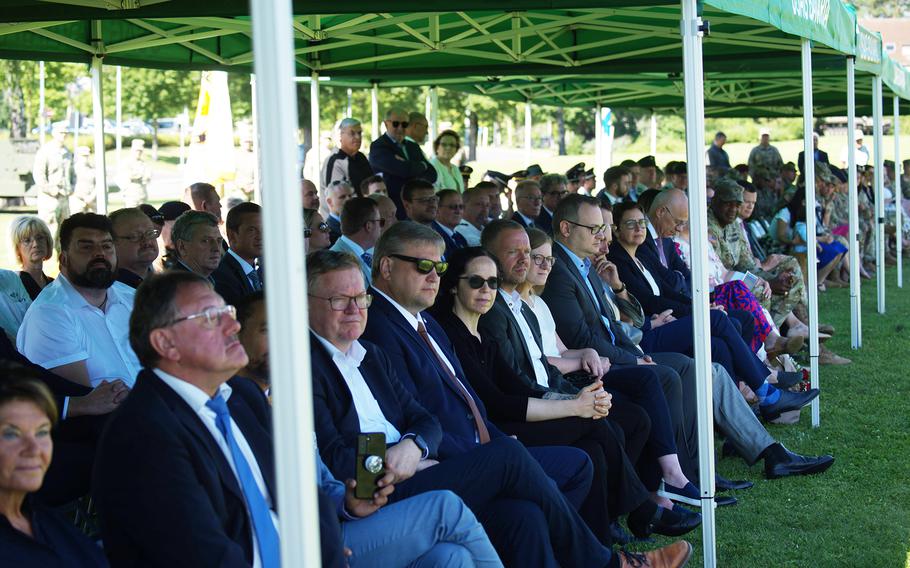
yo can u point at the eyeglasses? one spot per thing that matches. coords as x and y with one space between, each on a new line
381 222
341 303
455 206
149 235
397 123
539 259
212 316
595 229
430 199
677 223
559 193
536 199
633 224
444 145
321 227
477 282
424 265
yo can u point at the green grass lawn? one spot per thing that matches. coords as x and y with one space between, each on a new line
858 513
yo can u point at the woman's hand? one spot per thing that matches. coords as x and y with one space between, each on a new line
593 402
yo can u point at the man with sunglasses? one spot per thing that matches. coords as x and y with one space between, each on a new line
136 241
361 225
398 159
239 273
554 188
186 472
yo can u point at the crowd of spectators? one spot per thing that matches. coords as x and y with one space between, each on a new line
522 347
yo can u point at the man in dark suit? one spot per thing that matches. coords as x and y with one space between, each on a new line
528 200
668 215
239 273
136 240
448 216
337 194
820 155
527 519
397 159
198 245
182 476
554 187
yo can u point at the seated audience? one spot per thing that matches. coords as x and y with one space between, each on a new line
315 231
616 185
420 201
254 337
78 327
204 197
240 271
32 245
449 215
309 194
336 194
387 209
14 302
554 189
528 521
197 243
528 199
361 225
476 215
372 185
169 212
32 534
136 243
184 469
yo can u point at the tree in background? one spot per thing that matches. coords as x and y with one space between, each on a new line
882 8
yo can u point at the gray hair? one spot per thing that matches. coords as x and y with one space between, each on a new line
552 181
338 183
185 226
394 110
399 236
345 123
322 262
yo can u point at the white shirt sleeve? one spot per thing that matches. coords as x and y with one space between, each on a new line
50 337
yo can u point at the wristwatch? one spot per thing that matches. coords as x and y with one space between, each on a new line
420 443
621 290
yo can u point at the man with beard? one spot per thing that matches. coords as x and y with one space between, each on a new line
136 242
197 243
78 327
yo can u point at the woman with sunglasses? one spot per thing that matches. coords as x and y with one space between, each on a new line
538 416
315 231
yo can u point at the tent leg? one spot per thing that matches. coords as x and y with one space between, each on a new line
257 170
879 193
598 143
898 194
374 95
282 225
855 281
691 29
349 112
811 261
42 111
315 142
434 113
98 121
528 132
653 134
119 117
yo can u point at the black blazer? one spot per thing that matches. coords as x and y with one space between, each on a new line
56 543
544 221
674 262
635 281
336 421
801 161
499 324
230 280
334 228
388 159
451 243
164 490
578 318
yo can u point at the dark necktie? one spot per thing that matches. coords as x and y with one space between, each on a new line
660 251
266 534
255 281
459 240
482 431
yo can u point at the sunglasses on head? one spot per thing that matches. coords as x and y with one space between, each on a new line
424 265
401 123
477 282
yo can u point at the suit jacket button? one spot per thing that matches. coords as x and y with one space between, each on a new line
470 416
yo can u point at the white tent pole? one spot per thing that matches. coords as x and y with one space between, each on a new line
282 225
598 143
811 256
691 29
374 95
315 142
852 184
653 134
898 194
350 110
528 132
879 192
42 111
119 116
434 113
98 120
257 168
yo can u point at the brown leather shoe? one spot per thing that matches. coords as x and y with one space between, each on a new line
673 555
826 328
828 357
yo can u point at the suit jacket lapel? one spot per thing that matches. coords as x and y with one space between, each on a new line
235 267
513 330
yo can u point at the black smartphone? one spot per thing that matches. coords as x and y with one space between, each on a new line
370 466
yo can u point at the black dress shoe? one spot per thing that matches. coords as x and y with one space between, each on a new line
668 522
783 463
788 401
724 484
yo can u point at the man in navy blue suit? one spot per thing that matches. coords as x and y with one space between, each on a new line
184 473
239 273
528 204
359 386
398 159
554 188
451 210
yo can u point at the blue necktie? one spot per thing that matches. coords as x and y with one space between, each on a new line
368 259
585 269
255 282
266 534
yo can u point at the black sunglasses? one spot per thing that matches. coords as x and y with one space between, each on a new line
477 282
424 265
397 123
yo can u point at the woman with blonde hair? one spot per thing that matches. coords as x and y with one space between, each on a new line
32 245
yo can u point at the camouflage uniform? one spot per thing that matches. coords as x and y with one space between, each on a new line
767 158
53 173
734 252
83 198
134 181
866 207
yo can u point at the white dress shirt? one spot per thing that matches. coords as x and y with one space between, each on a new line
196 399
61 327
514 302
369 414
547 326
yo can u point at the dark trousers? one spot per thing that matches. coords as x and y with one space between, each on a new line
616 489
526 517
727 347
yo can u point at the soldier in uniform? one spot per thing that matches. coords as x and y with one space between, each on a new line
135 176
765 156
53 173
83 198
245 176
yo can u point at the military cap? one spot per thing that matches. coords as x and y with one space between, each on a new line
647 162
888 164
172 209
789 167
575 172
466 170
824 172
725 189
589 174
534 170
498 177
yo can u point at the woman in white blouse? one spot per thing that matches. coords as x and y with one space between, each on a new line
448 175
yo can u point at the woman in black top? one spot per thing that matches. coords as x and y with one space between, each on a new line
30 534
32 244
538 416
